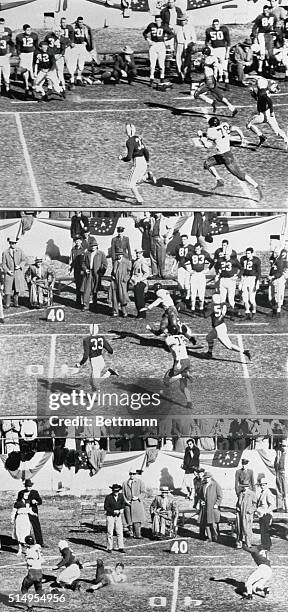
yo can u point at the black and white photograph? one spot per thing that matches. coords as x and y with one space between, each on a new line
143 305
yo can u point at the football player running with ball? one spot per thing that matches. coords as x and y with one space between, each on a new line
139 154
180 370
217 311
209 85
219 134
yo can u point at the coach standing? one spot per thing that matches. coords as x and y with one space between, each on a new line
76 260
190 465
13 263
94 266
113 506
133 492
140 273
32 498
210 499
160 236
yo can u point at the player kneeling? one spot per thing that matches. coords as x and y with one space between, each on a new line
217 312
259 579
93 347
219 134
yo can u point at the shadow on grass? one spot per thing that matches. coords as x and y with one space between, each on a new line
239 586
109 194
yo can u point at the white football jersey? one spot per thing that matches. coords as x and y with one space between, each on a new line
165 297
220 135
177 347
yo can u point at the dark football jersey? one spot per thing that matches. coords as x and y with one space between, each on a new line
26 43
182 254
279 267
45 60
135 148
157 34
80 34
93 346
67 35
56 44
6 43
218 314
285 28
264 101
198 260
218 38
227 268
264 24
251 267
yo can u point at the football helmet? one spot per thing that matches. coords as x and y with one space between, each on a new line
29 540
206 51
94 329
130 129
156 287
274 87
214 122
262 83
216 298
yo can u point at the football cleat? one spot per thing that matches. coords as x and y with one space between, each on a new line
247 354
234 112
208 355
262 139
220 183
212 122
113 372
151 178
214 106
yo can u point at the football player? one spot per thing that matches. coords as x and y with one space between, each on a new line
195 264
82 44
170 318
26 46
156 34
219 134
34 560
45 69
6 47
227 270
210 65
67 35
217 311
181 363
259 580
93 347
264 28
57 44
265 112
218 38
250 277
139 154
277 280
182 253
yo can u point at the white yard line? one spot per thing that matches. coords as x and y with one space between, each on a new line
32 179
52 357
175 589
141 335
247 377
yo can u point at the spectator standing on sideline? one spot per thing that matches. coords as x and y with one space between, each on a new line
32 499
264 509
79 224
13 263
190 466
114 506
139 276
133 493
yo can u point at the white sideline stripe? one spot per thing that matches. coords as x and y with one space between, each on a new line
247 377
144 335
52 357
175 589
28 161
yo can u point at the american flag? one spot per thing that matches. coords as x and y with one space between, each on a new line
226 459
218 225
103 226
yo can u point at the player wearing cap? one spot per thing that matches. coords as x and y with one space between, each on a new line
259 580
124 66
93 347
210 65
34 560
217 311
250 277
265 112
157 34
139 154
219 134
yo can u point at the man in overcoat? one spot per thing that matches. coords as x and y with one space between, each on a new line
94 266
13 264
133 492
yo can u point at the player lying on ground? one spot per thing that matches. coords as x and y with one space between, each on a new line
93 347
259 579
219 134
217 311
180 370
265 112
210 65
106 575
139 154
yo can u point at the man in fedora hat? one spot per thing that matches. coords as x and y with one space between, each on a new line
210 499
139 282
75 261
13 264
244 60
120 242
32 499
164 512
190 466
118 291
79 224
244 476
40 280
133 493
264 509
114 506
94 266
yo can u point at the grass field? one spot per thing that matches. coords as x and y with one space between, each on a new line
65 153
31 347
209 576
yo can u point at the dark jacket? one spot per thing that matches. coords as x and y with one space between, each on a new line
33 496
110 504
191 463
244 477
79 225
165 15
